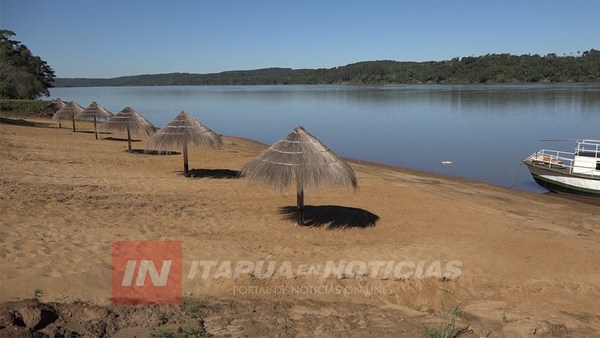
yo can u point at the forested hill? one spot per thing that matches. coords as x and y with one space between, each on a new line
491 68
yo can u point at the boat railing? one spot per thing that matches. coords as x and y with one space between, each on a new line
589 148
553 159
561 160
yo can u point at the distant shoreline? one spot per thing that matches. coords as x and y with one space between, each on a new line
490 68
332 84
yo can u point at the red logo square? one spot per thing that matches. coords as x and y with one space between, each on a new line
147 272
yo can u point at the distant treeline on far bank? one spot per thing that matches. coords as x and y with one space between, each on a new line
491 68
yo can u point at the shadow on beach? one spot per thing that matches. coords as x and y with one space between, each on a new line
589 200
93 132
213 173
25 123
334 216
153 152
120 139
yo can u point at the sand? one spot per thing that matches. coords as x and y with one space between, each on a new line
521 263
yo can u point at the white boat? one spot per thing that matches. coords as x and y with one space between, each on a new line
575 172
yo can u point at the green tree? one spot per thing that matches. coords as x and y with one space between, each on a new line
22 74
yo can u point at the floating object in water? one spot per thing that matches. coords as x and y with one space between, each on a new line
446 162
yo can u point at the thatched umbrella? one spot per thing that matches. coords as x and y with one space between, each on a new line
94 112
69 111
182 131
56 105
304 157
130 121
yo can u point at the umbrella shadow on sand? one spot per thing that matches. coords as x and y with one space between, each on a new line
334 216
212 173
93 132
152 152
24 123
120 139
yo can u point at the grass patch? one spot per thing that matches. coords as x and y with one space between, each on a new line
161 334
447 327
192 309
186 333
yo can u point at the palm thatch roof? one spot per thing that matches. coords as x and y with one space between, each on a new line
130 121
94 112
182 131
57 104
68 112
303 156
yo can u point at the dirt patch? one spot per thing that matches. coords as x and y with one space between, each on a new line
201 318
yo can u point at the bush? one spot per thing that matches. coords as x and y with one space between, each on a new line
25 108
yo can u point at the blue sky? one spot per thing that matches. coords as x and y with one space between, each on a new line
109 38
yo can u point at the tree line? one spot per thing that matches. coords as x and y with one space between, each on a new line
22 74
490 68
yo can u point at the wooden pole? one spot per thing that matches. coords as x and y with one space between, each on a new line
73 123
128 139
185 161
300 202
59 124
95 129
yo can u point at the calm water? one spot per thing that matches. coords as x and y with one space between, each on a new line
484 130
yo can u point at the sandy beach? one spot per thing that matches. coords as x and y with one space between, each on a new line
517 263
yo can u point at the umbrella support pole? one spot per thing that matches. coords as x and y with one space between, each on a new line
300 201
73 124
128 139
95 128
186 171
59 125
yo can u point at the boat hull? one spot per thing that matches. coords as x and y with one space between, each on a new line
563 182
